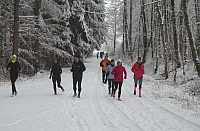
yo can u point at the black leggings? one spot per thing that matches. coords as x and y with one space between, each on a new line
104 76
58 80
111 85
13 80
79 85
120 87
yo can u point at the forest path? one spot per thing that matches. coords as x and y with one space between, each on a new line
36 108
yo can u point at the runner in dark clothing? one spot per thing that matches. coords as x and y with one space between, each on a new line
77 71
56 70
14 69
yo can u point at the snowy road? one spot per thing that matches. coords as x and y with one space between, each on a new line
36 109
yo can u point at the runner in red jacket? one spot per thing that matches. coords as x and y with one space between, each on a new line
138 70
120 74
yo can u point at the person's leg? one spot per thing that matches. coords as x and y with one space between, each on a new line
54 85
13 85
116 86
140 87
120 90
58 82
103 75
74 86
13 80
106 75
109 85
79 87
135 86
112 85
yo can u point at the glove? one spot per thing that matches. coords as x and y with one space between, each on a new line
50 77
124 77
71 70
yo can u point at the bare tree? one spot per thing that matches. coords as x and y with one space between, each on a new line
144 25
152 27
115 26
36 43
192 44
126 26
163 39
130 29
178 64
16 27
197 12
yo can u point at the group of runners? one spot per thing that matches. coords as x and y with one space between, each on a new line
112 74
115 75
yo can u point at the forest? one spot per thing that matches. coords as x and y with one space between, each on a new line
39 31
166 33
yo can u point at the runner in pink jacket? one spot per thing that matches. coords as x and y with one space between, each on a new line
138 70
120 74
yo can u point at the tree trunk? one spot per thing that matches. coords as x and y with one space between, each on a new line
126 26
181 41
178 64
144 32
123 42
192 44
139 39
16 28
130 30
36 46
115 30
163 41
151 36
156 37
197 12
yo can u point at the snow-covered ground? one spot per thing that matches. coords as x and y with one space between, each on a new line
37 109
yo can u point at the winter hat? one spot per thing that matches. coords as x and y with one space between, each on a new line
77 56
139 58
119 61
112 60
14 56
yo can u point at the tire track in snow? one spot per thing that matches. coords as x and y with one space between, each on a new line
71 105
139 111
131 122
141 115
102 114
107 113
181 119
96 101
80 122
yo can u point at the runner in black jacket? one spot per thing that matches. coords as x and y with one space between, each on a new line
56 70
14 69
77 71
